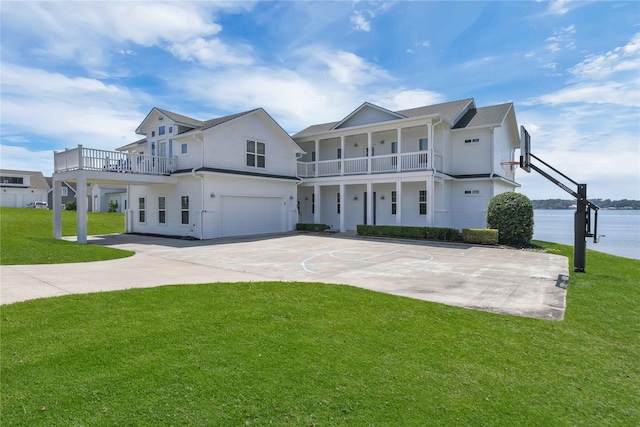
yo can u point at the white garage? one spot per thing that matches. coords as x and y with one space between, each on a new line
243 215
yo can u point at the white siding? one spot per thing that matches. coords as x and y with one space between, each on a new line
473 157
410 204
470 210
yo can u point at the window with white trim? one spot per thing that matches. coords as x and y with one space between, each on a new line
142 212
471 192
256 153
394 204
65 191
471 140
423 202
184 149
161 130
162 212
184 209
423 144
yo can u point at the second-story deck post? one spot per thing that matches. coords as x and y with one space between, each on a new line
342 153
80 158
399 150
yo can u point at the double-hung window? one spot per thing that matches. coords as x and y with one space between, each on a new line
423 202
184 209
394 204
162 212
255 154
161 130
142 211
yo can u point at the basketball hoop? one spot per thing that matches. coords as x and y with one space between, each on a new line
509 168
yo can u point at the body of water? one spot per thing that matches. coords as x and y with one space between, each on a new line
621 228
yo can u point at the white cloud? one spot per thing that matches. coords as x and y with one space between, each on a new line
39 104
395 99
86 31
210 53
618 93
620 59
20 158
558 7
359 22
562 38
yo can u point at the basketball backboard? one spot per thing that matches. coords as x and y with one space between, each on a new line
525 149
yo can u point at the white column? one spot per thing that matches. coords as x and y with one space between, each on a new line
317 202
81 209
430 201
369 152
343 205
399 139
369 202
342 156
398 202
57 209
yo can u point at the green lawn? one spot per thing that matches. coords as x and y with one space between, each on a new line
26 237
306 354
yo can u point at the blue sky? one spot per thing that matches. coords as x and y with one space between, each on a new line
89 72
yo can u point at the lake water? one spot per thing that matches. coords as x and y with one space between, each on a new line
621 228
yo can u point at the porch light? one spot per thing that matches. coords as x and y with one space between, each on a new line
213 195
382 197
306 198
355 197
290 197
355 145
382 142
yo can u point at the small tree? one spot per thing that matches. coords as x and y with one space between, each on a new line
70 206
113 206
512 215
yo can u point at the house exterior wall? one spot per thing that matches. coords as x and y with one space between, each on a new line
21 197
471 157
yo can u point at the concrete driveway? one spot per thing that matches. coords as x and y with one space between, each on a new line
495 279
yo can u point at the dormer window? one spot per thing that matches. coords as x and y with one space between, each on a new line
255 154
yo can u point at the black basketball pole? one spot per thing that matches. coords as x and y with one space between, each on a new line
580 230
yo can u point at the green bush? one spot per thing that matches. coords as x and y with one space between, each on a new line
483 236
405 231
310 227
70 206
512 215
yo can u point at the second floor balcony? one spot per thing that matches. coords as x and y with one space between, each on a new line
92 159
390 163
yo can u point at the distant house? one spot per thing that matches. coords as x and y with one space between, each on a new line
102 194
68 192
19 188
242 174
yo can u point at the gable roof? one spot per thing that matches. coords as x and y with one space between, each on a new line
382 112
220 120
448 111
71 185
179 118
484 116
37 180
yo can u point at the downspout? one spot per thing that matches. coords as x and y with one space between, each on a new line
432 205
493 149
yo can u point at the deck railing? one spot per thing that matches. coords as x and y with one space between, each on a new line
81 158
389 163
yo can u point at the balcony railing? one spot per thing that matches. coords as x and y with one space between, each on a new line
81 158
360 166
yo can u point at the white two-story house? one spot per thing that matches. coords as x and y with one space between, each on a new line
242 174
437 165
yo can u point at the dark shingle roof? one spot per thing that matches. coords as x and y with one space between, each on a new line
446 110
220 120
484 116
37 180
180 119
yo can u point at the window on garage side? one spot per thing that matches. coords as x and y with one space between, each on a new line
142 211
162 212
256 153
423 202
184 209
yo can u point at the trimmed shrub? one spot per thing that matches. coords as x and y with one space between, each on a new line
483 236
512 215
70 206
311 227
409 232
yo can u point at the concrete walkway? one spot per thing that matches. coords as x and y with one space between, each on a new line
502 280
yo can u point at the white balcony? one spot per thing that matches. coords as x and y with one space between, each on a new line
390 163
90 159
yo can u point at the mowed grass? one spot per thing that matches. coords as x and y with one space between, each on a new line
310 354
26 237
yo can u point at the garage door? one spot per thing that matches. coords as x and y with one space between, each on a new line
250 215
8 200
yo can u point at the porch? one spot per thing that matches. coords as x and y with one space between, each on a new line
389 163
